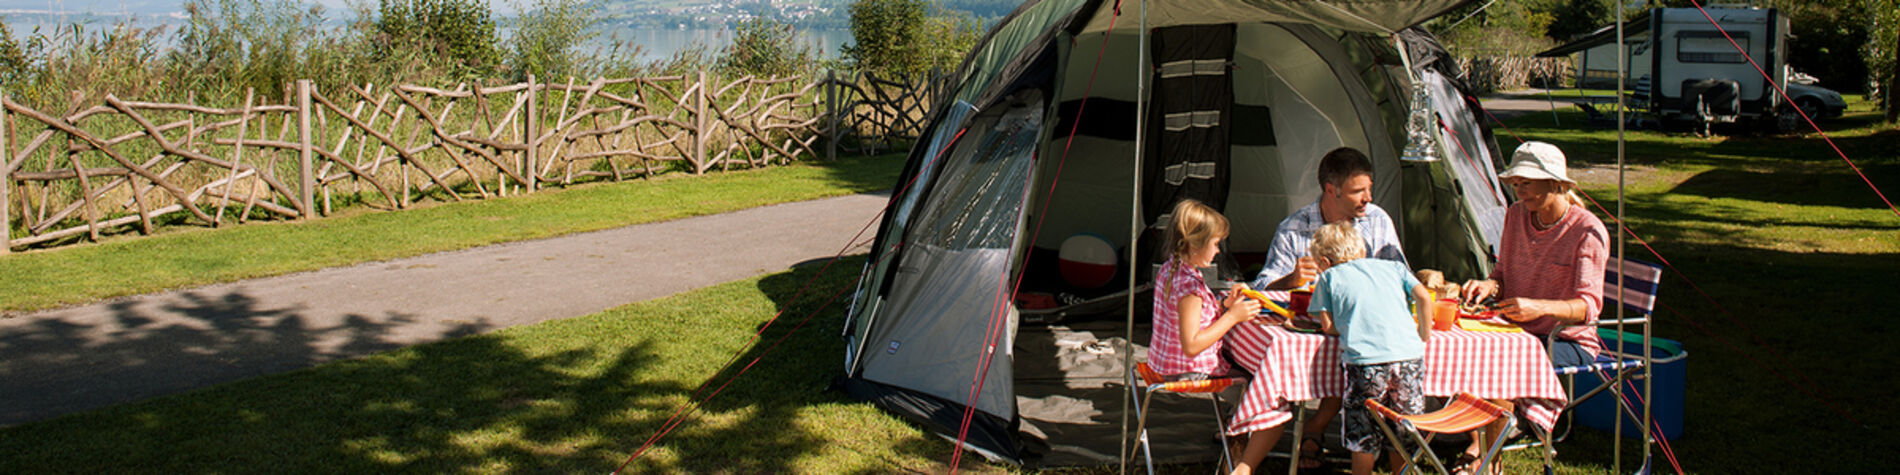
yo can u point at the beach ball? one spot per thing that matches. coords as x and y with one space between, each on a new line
1087 260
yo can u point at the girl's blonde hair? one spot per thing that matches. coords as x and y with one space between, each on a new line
1193 224
1338 242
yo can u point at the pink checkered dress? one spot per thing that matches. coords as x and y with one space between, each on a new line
1177 280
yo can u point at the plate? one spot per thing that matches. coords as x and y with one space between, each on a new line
1488 326
1485 315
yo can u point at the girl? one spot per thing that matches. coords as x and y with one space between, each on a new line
1188 318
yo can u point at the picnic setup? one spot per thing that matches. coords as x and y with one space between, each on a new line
1106 170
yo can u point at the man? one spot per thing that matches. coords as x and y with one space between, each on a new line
1345 183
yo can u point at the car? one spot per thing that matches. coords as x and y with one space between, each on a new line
1813 99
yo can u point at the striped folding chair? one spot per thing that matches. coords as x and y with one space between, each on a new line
1631 283
1152 382
1463 413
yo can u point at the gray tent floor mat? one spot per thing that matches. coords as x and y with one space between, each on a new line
1070 390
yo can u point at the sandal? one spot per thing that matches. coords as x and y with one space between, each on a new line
1312 459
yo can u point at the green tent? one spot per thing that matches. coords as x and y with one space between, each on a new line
1075 117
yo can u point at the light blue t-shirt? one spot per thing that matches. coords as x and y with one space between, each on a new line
1295 233
1368 298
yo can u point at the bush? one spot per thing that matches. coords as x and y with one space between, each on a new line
457 30
898 37
546 37
230 45
765 47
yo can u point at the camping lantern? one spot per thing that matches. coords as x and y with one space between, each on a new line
1419 146
1087 260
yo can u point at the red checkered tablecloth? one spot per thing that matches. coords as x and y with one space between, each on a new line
1289 367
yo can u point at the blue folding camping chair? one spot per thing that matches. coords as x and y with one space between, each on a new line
1631 283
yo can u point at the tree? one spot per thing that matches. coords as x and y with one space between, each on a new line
765 47
1576 18
546 35
903 37
457 30
886 34
1882 53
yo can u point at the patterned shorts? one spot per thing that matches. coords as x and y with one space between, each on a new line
1399 385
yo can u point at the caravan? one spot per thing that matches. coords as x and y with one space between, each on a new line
1687 70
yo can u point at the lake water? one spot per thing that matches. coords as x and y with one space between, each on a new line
657 43
662 43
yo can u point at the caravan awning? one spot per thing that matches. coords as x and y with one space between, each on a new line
1380 16
1632 27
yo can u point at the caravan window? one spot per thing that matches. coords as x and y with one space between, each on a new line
1709 46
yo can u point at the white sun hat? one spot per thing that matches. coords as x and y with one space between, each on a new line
1538 161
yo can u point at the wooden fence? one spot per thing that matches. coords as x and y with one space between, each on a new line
118 165
1487 74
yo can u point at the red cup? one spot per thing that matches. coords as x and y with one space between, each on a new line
1296 301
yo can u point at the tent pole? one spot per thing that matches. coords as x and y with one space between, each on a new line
1134 217
1622 66
1649 358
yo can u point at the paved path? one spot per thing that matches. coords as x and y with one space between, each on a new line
76 359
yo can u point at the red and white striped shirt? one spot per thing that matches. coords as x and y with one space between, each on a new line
1175 281
1561 263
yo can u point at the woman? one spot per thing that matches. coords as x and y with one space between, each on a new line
1550 261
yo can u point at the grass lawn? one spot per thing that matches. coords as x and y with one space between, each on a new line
1794 251
192 257
569 396
1797 255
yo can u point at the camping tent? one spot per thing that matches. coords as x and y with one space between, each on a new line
1085 116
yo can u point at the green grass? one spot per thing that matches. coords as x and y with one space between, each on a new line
1796 250
569 396
1798 257
191 257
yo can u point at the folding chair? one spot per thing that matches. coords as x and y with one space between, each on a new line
1152 382
1463 413
1636 292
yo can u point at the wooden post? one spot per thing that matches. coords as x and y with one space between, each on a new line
530 127
6 180
699 125
831 113
308 183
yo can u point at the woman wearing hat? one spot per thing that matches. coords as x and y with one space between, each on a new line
1550 258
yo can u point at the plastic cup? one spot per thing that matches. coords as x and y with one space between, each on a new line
1445 314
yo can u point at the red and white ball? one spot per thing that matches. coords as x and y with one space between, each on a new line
1087 260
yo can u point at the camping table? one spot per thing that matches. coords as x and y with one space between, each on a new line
1290 366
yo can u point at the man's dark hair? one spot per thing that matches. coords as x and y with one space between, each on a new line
1341 164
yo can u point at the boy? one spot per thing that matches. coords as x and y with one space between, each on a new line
1363 302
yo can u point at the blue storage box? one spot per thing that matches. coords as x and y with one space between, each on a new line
1667 388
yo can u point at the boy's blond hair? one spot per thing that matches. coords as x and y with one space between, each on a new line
1191 224
1338 242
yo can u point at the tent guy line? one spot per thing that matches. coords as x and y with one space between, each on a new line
1804 114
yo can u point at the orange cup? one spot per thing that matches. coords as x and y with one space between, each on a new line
1445 314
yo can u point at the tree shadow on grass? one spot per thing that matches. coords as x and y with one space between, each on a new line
1797 186
767 396
1783 341
57 364
1649 147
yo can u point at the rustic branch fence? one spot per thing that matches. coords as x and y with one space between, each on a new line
1487 74
118 165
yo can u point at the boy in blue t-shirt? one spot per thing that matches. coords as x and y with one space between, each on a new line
1363 302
